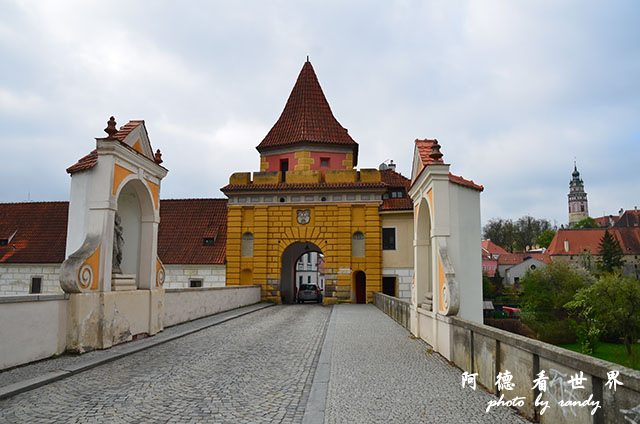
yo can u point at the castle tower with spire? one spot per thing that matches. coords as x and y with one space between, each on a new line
578 205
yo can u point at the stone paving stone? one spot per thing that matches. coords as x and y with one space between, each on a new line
256 368
379 374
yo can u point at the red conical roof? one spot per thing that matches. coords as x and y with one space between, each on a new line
307 118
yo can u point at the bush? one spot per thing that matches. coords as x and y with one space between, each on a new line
554 332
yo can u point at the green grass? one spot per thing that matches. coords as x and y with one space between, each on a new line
611 352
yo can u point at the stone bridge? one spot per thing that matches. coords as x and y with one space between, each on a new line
261 363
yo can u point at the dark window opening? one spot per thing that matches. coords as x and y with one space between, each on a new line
282 200
385 196
323 199
388 239
195 283
4 242
324 162
389 286
284 167
208 241
36 285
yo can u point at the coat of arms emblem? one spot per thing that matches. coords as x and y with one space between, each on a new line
304 216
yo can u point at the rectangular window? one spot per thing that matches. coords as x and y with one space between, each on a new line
301 280
308 279
388 239
4 242
324 162
36 285
284 167
208 241
195 282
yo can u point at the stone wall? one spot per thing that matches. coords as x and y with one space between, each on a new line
181 305
396 308
178 276
488 351
404 279
15 279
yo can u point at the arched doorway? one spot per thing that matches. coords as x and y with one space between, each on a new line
422 257
290 258
135 217
360 286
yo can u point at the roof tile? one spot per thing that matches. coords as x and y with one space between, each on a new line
307 117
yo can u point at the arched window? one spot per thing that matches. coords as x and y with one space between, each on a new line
357 245
247 244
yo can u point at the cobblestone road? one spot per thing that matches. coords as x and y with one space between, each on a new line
256 368
381 375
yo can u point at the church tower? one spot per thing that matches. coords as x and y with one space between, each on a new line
578 206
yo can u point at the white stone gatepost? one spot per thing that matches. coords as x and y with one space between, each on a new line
114 204
447 261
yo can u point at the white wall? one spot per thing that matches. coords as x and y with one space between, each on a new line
33 327
464 248
15 279
78 210
178 276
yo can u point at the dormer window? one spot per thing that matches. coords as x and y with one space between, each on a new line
397 194
4 242
208 241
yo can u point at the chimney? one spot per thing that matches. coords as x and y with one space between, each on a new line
392 166
620 212
635 208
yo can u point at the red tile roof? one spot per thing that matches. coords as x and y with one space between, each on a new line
229 188
396 180
184 223
40 232
587 239
425 148
307 118
519 257
629 219
89 161
493 248
605 221
84 163
466 183
124 130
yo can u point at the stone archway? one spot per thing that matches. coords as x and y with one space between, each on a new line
135 210
423 256
287 273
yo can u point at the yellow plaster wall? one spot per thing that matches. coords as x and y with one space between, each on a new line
264 164
331 227
402 257
348 162
369 176
303 177
240 178
341 176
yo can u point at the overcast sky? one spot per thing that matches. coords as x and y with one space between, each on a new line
512 90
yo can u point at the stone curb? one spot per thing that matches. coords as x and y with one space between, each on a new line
51 376
317 402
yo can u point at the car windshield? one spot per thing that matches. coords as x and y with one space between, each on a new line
307 287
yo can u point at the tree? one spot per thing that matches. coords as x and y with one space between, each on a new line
586 223
613 302
611 254
501 232
545 292
544 239
516 235
528 229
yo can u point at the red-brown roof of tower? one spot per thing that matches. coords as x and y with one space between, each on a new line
307 118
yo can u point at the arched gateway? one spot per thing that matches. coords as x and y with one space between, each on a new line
307 193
